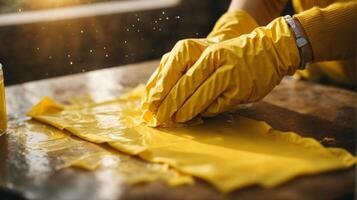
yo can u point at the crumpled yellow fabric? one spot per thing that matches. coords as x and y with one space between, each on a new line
337 72
230 152
64 151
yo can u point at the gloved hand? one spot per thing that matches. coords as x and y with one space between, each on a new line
237 71
185 53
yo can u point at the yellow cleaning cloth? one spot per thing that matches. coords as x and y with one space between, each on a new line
229 152
64 150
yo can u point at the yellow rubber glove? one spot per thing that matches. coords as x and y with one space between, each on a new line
185 53
237 71
232 24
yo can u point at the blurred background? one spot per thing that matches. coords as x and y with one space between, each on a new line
41 49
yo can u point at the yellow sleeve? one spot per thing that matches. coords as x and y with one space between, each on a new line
302 5
331 30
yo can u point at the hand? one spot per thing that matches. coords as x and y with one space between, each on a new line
185 53
173 66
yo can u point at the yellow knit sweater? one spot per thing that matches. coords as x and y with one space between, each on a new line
331 29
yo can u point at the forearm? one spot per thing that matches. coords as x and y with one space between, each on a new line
263 11
331 31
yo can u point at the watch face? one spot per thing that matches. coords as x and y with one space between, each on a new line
301 42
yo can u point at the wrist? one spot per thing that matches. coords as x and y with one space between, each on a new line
308 53
302 41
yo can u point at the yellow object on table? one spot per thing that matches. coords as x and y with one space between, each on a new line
230 152
3 117
337 72
63 150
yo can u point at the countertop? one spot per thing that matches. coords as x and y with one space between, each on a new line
310 109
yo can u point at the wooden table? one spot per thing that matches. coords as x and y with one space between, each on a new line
306 108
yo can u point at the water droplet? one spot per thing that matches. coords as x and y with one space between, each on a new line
125 41
154 28
133 25
38 48
163 12
127 29
69 55
155 21
177 17
91 51
104 47
167 18
138 19
82 31
160 29
138 30
71 63
20 10
106 55
50 57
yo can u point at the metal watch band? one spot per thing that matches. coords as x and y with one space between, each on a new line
300 40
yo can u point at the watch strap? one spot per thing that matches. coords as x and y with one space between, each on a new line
301 42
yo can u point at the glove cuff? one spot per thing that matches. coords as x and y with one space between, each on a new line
284 42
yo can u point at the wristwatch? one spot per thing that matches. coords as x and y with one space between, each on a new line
301 42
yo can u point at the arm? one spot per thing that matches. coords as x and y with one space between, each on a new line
246 68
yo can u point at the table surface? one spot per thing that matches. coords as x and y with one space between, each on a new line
309 109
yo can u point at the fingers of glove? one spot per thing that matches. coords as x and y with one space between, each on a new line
240 91
152 81
182 57
185 87
146 107
207 92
